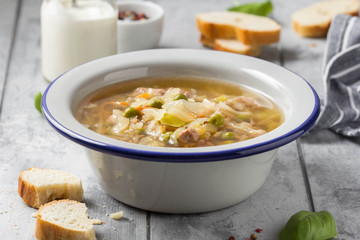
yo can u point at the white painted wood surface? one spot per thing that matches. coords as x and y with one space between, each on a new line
8 13
319 171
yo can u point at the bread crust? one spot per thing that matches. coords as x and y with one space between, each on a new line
207 42
28 192
313 31
250 51
217 44
316 30
322 16
46 230
35 197
241 32
214 30
257 37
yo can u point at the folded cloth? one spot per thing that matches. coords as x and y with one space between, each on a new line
341 76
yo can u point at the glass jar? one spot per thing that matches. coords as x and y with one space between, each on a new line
74 32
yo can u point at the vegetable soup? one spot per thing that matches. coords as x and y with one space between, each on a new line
179 112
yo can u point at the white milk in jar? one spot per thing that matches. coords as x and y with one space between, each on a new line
72 34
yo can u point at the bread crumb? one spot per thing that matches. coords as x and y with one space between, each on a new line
96 222
117 215
34 215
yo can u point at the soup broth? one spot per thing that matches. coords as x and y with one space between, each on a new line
179 112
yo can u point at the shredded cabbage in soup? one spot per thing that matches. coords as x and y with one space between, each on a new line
204 114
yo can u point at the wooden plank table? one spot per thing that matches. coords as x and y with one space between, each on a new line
319 171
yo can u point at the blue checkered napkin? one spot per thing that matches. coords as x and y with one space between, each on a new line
341 76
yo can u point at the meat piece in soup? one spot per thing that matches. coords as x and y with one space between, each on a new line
179 112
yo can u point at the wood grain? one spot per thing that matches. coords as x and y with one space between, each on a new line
333 168
8 20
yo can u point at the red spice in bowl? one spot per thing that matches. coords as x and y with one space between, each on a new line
132 16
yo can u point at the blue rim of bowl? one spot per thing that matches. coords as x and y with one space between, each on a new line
184 157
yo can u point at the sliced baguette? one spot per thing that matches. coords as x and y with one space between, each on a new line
314 20
235 46
64 219
247 28
231 45
39 186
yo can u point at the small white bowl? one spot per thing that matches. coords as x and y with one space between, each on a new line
182 180
139 35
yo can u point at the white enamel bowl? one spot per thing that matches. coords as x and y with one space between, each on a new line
182 180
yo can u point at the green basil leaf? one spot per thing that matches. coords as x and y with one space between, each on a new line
37 101
306 225
259 8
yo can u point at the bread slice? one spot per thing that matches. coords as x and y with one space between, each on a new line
247 28
39 186
314 20
231 45
235 46
64 219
